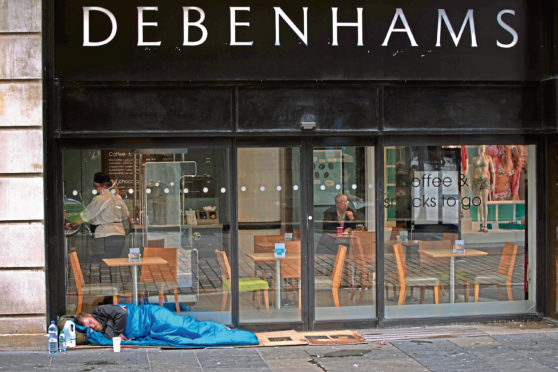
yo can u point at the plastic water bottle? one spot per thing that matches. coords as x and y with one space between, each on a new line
62 342
52 338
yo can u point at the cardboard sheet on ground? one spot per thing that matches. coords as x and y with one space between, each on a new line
291 337
153 325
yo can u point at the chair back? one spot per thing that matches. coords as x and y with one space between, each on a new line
162 272
395 232
291 268
260 240
507 261
338 266
427 262
365 245
76 270
156 243
452 237
400 262
223 265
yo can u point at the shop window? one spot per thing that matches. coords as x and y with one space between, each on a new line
168 204
458 235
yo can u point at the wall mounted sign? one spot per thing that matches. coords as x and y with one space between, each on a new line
302 40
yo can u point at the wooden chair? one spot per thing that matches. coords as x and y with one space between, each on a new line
265 243
244 284
333 282
94 289
435 266
503 275
156 243
395 232
163 277
362 258
452 237
412 280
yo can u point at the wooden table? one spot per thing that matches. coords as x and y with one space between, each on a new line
444 253
263 257
123 261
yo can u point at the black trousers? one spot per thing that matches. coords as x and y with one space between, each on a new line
108 247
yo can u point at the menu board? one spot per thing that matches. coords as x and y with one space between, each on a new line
119 164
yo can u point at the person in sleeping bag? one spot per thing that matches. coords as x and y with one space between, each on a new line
154 325
110 320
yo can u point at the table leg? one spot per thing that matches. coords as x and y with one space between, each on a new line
277 284
452 279
135 284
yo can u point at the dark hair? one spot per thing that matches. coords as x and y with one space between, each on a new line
80 317
102 178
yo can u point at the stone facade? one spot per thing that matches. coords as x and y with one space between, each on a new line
22 242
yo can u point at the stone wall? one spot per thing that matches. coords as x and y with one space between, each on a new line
22 242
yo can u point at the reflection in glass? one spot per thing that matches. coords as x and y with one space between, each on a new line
456 229
345 237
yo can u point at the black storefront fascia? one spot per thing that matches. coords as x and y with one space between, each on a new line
123 96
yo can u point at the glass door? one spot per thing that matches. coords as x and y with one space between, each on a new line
344 241
285 274
269 234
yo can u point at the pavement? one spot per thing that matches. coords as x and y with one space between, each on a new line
506 346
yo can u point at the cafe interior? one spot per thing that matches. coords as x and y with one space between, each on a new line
454 236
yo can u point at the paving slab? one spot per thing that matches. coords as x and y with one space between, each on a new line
248 358
168 360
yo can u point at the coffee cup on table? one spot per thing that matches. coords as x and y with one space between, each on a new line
339 231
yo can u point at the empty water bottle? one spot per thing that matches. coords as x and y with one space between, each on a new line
62 342
52 338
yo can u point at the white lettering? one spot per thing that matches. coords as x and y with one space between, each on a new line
198 24
335 25
399 14
142 24
303 36
506 27
86 41
468 19
234 24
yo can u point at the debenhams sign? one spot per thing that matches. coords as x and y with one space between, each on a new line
193 18
264 39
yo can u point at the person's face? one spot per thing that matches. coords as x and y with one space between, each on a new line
92 323
341 204
97 187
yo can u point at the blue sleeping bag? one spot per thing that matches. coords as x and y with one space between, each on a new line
153 325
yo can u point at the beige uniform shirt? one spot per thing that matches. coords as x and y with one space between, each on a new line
107 211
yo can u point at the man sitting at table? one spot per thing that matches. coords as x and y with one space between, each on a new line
340 215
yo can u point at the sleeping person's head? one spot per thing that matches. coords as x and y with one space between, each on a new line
87 320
